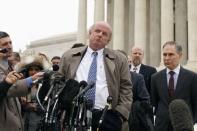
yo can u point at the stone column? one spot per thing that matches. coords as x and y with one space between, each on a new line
118 25
167 23
181 26
82 22
99 10
140 25
110 12
192 34
155 32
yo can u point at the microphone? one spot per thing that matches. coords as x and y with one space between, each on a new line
83 84
180 116
89 86
55 78
89 106
109 101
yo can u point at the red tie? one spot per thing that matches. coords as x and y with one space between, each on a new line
171 84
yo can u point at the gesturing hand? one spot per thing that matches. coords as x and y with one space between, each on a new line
12 77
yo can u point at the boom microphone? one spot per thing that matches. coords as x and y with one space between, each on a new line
180 116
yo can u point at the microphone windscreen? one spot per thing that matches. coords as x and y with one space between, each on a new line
69 92
83 84
180 116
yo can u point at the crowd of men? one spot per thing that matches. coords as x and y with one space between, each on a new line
141 95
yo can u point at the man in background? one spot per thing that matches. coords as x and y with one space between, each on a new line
55 63
137 55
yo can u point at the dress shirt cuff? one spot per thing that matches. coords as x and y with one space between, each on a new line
29 82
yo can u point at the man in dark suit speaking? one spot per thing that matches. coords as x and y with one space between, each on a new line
174 82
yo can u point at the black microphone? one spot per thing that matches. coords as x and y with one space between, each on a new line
82 85
180 116
89 106
109 101
55 78
89 86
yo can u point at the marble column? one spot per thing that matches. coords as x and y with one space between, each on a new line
110 11
181 26
82 22
167 23
140 25
155 32
99 10
192 34
118 25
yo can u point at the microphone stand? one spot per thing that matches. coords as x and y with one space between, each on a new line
89 106
37 96
47 111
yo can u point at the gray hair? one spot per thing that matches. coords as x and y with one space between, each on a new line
174 43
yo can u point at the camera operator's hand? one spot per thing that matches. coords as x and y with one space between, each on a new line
37 75
2 55
12 77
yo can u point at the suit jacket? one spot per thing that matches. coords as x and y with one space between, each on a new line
10 108
185 89
147 72
140 92
117 75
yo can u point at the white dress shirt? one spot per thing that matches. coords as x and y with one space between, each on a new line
176 74
101 83
137 68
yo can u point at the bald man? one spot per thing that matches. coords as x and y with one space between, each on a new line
137 55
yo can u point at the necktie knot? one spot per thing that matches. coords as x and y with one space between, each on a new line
134 69
171 73
94 53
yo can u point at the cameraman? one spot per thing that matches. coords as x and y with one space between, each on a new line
10 108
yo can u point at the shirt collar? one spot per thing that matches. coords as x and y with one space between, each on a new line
176 70
90 51
138 67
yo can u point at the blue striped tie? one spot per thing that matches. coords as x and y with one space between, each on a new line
90 94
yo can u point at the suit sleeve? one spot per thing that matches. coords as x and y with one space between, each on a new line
154 92
142 92
4 87
20 88
194 97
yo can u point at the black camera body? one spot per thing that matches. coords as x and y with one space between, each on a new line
4 50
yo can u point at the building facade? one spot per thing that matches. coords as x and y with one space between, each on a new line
148 23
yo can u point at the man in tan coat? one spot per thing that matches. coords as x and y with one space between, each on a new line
10 108
112 77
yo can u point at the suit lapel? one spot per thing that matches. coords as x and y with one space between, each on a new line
75 61
165 86
141 71
179 83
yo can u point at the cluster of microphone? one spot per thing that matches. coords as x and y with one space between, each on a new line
56 94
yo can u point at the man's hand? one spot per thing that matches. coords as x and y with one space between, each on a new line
37 76
12 77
